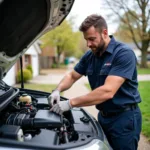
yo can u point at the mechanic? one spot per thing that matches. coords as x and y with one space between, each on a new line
111 70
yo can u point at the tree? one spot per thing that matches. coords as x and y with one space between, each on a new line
123 33
63 38
140 25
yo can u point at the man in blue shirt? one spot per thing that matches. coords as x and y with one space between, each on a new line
111 70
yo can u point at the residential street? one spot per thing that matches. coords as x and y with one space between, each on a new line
54 76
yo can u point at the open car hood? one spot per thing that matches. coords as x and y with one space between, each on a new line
24 21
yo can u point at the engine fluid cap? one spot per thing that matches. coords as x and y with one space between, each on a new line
25 98
27 137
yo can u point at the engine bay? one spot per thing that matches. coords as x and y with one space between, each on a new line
27 118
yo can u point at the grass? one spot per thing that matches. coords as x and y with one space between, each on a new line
143 71
144 89
88 86
39 87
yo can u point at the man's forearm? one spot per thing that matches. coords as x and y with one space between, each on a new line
95 97
65 83
100 94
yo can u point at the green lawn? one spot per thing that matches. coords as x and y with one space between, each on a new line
143 71
144 89
88 86
39 87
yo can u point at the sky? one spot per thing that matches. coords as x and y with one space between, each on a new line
82 8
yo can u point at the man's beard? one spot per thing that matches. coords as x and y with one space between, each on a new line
100 49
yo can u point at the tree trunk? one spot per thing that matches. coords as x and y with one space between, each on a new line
145 45
58 56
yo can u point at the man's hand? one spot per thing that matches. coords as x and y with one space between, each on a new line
61 107
54 98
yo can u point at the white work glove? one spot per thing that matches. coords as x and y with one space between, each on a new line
54 98
61 107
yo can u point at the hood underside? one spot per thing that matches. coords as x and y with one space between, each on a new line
22 22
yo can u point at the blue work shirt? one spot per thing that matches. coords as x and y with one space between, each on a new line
117 60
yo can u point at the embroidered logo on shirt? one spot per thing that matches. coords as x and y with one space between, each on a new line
107 64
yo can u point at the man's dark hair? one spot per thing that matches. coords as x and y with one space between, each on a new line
93 20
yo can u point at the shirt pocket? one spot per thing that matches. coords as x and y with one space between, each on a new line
105 70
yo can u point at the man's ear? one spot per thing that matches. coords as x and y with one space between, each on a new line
104 33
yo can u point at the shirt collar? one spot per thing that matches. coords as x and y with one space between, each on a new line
111 45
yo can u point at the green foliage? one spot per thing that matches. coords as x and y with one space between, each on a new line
63 38
79 54
29 67
26 75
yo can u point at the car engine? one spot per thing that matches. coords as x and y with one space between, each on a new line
27 118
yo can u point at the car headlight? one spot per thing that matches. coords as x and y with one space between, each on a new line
94 144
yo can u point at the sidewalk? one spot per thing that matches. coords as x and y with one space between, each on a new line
144 77
78 89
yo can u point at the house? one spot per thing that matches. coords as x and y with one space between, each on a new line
31 57
47 57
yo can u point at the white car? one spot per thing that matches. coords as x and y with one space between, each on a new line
25 119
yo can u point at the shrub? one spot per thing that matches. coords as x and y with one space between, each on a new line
29 67
26 75
54 65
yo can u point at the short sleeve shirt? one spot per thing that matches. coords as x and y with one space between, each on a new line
118 60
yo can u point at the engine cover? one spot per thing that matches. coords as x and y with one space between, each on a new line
47 119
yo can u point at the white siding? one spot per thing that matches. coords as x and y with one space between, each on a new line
34 60
35 65
10 77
